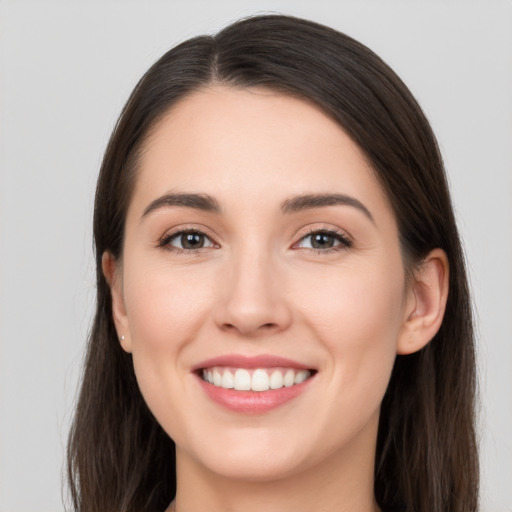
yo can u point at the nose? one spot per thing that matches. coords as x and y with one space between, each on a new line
253 300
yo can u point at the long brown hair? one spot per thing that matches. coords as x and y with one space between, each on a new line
119 458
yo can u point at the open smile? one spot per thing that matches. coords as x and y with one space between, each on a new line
260 379
253 384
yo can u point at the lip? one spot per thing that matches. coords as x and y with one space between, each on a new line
252 402
251 362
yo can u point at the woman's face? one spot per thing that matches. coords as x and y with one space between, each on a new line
260 250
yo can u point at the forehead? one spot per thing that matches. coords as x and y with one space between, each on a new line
254 144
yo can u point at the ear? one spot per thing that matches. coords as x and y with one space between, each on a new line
112 272
426 303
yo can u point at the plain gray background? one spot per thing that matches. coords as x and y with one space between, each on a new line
67 67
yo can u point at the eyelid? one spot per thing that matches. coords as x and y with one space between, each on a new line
164 241
344 239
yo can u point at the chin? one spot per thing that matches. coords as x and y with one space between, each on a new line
262 468
250 455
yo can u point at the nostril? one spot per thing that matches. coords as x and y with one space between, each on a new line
247 329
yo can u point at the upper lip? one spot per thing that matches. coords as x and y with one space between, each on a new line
260 361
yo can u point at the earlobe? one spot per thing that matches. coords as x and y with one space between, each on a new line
111 271
426 303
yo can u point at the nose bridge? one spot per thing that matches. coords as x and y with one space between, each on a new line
253 299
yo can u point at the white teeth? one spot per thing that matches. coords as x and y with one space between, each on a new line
276 380
301 376
242 380
260 381
254 380
289 378
228 382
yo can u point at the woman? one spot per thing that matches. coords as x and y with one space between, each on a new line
283 319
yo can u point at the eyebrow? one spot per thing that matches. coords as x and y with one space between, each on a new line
308 201
198 201
294 204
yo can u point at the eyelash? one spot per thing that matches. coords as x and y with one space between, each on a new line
165 242
344 242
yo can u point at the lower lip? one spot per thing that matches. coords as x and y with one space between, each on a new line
252 402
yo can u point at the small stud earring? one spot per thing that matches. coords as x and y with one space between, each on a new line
122 338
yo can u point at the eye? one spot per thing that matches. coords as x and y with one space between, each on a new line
189 240
324 240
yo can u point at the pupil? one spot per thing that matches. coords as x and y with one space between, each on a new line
321 241
192 241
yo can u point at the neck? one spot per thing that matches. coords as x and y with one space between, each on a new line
342 482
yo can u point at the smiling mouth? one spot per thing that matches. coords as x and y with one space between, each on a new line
258 379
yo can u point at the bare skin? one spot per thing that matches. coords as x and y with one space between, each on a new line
323 285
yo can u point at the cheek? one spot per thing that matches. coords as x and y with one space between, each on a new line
164 307
357 316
